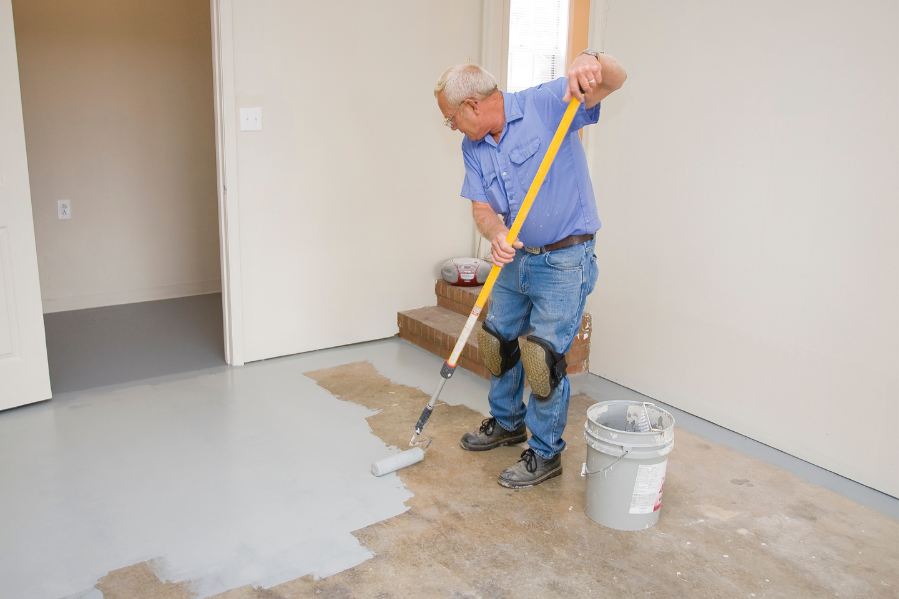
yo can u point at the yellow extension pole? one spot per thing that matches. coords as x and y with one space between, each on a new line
447 371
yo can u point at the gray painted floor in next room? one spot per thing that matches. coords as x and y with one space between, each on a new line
118 344
152 450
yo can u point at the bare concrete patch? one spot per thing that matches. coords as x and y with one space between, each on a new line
465 536
140 581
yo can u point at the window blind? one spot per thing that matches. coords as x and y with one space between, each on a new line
538 41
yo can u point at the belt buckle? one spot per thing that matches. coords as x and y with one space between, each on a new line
536 251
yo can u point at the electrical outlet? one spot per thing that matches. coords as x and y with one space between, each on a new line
64 209
251 119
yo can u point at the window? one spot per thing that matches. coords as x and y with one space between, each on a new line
538 42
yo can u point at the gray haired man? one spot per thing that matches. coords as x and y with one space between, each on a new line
549 271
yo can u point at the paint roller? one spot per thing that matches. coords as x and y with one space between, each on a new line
397 461
417 453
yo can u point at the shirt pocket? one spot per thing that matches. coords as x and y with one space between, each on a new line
526 163
494 193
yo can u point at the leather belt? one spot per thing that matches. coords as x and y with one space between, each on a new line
564 243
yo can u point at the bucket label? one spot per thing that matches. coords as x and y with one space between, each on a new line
647 496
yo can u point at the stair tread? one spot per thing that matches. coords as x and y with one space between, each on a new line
436 329
468 290
459 299
450 322
443 320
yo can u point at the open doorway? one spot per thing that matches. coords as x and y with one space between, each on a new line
118 106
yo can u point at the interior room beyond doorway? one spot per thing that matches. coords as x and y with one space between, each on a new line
118 108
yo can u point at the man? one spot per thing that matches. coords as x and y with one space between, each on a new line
549 271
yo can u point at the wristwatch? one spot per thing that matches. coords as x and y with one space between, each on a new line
592 53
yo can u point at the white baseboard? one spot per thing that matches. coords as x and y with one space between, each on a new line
130 296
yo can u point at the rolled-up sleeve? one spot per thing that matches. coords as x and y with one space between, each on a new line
548 100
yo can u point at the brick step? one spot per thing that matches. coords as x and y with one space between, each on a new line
459 299
436 329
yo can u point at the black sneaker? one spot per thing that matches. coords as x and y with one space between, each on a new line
491 435
531 470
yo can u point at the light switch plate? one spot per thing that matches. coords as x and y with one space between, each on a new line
64 209
251 119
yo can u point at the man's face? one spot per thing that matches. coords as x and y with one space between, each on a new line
464 119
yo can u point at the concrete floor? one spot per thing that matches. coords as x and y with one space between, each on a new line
254 482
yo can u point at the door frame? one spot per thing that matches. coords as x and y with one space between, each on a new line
24 369
221 12
495 59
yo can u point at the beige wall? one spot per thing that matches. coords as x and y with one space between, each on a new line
118 106
749 192
349 197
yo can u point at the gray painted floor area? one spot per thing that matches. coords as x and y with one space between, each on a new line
226 476
118 344
251 475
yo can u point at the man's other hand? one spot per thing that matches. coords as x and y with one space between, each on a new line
584 76
503 253
591 80
492 228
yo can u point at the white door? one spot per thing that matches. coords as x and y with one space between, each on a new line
24 375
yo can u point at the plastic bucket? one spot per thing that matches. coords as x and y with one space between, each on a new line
625 468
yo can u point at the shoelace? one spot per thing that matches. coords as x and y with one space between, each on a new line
530 459
488 425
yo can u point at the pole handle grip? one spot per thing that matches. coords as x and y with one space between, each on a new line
423 419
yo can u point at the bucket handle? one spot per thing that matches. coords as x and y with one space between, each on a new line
584 471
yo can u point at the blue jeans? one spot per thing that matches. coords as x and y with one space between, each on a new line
542 294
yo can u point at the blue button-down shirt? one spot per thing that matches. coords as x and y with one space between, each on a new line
501 172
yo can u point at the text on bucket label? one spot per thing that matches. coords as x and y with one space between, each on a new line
647 496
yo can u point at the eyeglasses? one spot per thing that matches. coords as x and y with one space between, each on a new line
448 122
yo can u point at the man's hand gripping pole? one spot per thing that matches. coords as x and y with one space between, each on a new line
449 367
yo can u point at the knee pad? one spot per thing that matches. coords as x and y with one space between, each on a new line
499 355
545 368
